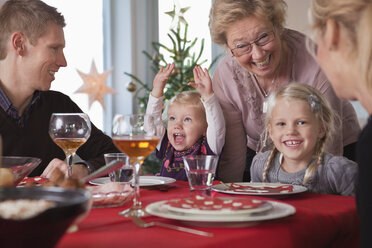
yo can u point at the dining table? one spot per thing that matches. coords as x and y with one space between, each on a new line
320 220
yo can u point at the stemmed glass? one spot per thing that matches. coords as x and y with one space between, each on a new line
69 131
136 135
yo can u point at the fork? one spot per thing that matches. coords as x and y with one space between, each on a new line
141 223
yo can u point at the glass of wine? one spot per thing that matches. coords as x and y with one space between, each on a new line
136 135
69 131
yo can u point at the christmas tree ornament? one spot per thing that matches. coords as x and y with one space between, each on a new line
131 87
95 85
176 71
177 14
156 58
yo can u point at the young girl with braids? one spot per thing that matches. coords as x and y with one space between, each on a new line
195 122
299 122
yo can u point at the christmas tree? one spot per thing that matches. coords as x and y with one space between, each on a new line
180 53
185 60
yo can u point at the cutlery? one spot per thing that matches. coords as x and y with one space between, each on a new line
251 189
162 187
110 167
141 223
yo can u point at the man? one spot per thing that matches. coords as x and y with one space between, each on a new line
31 52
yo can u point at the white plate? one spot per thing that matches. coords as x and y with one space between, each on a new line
279 210
217 206
225 188
144 180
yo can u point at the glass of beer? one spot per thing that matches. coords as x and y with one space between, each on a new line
69 131
136 135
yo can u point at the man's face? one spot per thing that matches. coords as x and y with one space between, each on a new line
42 60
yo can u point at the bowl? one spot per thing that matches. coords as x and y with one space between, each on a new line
111 194
46 228
111 199
20 166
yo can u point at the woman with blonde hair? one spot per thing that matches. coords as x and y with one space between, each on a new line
299 121
342 32
263 56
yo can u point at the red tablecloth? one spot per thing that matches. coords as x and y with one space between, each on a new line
320 221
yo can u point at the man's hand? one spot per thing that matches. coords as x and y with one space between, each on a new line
78 170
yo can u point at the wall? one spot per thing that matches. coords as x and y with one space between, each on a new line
297 18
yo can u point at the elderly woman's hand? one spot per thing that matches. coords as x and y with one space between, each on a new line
203 83
161 79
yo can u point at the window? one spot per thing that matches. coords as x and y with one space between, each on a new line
84 43
197 16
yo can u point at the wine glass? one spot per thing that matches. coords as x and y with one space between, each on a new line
136 135
69 131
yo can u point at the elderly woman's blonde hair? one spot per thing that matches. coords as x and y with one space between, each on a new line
319 106
190 98
356 17
225 12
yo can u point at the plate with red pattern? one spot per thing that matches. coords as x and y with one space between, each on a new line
216 205
238 219
143 180
269 189
33 181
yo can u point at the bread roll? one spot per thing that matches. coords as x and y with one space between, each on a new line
7 178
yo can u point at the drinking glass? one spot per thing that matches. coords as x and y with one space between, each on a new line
200 171
136 135
69 131
125 173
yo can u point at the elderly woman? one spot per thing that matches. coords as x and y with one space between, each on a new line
263 56
343 33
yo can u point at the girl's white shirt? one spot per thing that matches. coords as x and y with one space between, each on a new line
216 123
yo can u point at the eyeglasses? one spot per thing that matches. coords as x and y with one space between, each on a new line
263 40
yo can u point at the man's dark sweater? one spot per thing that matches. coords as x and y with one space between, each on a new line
33 139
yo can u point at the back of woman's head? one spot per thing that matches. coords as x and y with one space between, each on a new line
225 12
355 16
30 17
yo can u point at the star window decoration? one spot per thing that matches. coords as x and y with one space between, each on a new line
95 85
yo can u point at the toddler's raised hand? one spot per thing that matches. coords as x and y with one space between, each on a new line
203 83
161 79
